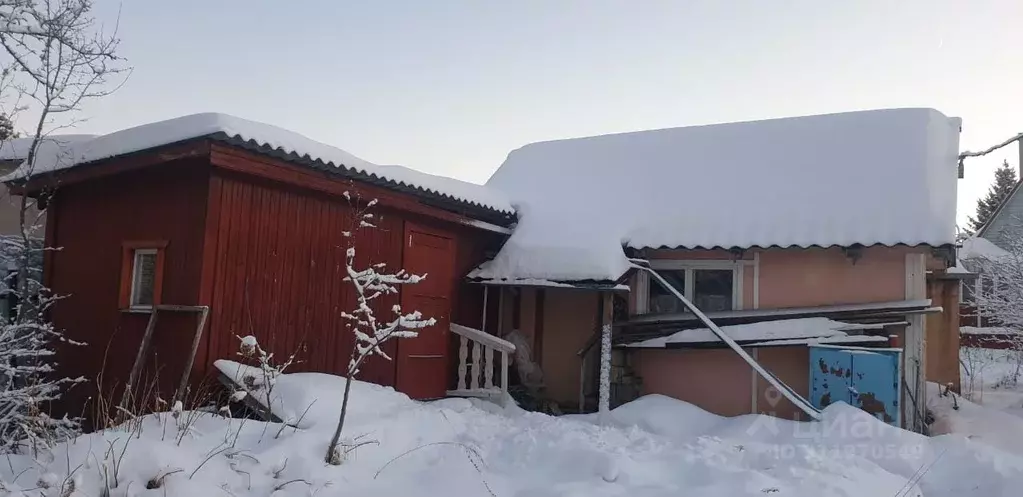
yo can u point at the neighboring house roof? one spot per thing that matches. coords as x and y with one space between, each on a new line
1007 217
883 177
976 247
271 139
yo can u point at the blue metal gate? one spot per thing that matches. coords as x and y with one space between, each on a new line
870 379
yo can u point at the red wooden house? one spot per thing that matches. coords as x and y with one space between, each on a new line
247 219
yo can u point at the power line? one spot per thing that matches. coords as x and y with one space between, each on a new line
964 155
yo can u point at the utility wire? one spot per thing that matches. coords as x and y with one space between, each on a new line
1005 143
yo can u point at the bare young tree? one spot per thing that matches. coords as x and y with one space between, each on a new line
1000 295
369 284
54 58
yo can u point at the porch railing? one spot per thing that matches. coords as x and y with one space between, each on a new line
476 364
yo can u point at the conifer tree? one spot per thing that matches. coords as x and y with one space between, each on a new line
1005 181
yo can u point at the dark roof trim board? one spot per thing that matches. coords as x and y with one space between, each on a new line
649 326
592 285
871 341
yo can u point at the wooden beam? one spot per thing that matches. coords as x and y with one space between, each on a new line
538 327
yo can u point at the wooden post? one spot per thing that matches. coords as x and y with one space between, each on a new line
140 358
504 376
463 353
1019 165
203 311
604 394
474 380
483 321
914 404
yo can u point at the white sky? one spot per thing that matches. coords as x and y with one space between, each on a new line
450 87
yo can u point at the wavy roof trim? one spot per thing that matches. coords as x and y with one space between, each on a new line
273 138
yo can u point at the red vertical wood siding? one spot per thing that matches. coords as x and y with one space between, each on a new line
278 273
88 221
259 242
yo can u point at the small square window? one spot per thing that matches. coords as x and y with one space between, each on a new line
143 279
712 289
141 275
662 300
709 288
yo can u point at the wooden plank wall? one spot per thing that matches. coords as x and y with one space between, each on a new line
943 332
278 274
89 221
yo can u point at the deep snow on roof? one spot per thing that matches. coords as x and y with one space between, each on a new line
870 177
50 147
208 124
977 247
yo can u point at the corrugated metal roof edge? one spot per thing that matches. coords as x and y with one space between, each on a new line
813 245
445 201
436 199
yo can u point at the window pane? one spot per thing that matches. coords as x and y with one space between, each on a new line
661 300
712 289
143 279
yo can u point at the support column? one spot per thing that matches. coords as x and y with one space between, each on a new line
607 312
914 403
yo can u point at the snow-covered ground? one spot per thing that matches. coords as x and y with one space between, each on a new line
993 378
654 446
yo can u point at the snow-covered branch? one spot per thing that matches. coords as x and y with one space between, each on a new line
1000 293
370 283
56 59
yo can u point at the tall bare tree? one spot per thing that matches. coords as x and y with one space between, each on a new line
54 58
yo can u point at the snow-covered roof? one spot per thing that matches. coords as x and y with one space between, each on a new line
50 147
192 126
872 177
977 247
765 331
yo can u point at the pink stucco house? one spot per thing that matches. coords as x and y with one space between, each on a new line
834 229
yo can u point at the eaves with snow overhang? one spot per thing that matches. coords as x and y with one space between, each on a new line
476 200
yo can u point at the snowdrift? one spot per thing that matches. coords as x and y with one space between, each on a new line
653 446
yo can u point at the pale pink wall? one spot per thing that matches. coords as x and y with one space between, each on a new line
748 283
792 366
570 318
811 277
797 277
716 380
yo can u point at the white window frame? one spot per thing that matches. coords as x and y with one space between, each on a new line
689 266
136 256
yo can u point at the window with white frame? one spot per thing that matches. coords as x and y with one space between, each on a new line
143 278
713 286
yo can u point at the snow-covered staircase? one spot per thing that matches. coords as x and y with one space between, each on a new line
476 364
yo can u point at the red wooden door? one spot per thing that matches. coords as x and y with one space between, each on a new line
422 361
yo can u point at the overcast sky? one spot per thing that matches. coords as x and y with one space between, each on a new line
450 87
